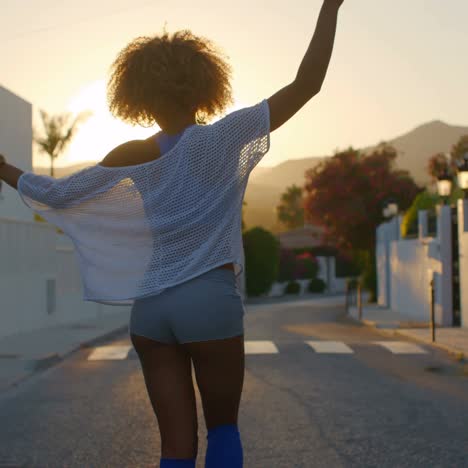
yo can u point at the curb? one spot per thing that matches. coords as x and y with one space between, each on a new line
447 348
49 360
392 331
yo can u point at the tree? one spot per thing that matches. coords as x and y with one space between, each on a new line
58 134
439 164
290 211
345 195
460 148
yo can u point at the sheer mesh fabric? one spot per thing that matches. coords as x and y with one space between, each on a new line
140 229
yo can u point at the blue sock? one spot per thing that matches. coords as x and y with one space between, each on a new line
177 463
224 447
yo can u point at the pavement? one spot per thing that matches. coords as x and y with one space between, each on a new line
392 323
24 354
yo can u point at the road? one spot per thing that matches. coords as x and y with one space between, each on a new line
348 401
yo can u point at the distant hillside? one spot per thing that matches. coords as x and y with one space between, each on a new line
415 148
63 171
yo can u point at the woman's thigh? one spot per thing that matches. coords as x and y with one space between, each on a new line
219 370
204 316
167 371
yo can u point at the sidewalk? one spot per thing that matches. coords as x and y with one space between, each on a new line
23 354
451 339
331 298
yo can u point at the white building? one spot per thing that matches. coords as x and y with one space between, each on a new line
40 285
16 146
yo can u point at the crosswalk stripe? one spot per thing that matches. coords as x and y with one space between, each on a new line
260 347
121 352
109 353
401 347
336 347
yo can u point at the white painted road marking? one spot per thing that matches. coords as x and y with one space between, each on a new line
401 347
336 347
109 352
268 347
260 347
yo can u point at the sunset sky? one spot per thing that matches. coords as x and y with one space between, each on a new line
396 64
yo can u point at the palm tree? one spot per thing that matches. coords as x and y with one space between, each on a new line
58 134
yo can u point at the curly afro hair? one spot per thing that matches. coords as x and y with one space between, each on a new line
154 76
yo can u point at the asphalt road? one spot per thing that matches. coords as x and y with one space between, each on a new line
364 405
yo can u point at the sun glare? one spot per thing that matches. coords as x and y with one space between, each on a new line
101 132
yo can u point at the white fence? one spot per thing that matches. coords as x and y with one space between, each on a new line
405 267
39 279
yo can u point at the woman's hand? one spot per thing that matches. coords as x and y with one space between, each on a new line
2 159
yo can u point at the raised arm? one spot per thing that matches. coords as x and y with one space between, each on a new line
10 174
312 70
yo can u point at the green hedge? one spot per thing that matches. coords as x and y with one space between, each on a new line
293 287
261 249
316 285
423 201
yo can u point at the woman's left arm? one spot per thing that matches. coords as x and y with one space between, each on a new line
10 174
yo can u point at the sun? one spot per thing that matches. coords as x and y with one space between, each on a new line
101 131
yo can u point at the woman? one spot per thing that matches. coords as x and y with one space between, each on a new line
157 223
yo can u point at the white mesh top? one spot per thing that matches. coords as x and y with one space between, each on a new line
140 229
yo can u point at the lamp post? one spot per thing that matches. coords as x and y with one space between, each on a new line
463 175
390 208
444 186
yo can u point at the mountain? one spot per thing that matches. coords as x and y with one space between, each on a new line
417 146
414 148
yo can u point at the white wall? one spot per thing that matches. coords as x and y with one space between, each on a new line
33 259
462 207
327 273
16 146
410 293
405 267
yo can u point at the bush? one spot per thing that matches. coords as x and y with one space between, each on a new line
352 283
293 287
316 285
261 250
286 265
423 201
346 266
306 266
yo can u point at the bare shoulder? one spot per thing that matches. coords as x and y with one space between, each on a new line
131 152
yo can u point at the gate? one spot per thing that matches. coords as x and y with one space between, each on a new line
455 270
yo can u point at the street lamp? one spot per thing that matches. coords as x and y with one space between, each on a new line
390 208
444 185
463 174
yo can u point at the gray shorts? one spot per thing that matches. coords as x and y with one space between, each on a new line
207 307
